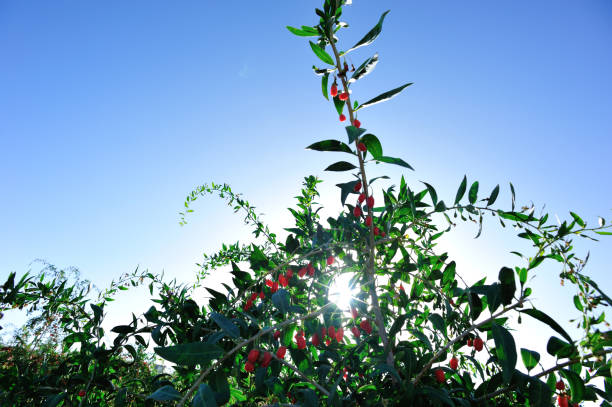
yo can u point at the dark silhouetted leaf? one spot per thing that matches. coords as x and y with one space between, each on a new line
542 317
165 393
396 161
225 324
188 354
530 358
330 145
341 166
473 194
461 190
505 349
493 197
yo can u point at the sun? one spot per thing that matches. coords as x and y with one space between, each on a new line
341 292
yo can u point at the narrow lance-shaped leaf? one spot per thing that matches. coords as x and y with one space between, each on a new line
505 349
165 393
341 166
432 193
371 35
396 161
473 194
225 324
365 68
542 317
461 190
304 32
190 353
493 196
384 96
330 145
323 56
324 82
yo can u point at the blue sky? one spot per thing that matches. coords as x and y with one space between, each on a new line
110 114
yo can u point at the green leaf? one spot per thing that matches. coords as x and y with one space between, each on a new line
346 189
165 393
461 190
491 199
323 56
578 219
371 35
396 161
530 358
508 285
280 299
577 303
205 397
365 68
539 394
505 348
53 401
341 166
542 317
473 194
304 32
576 384
432 193
354 133
559 348
339 105
385 368
324 81
121 398
310 398
384 96
188 354
438 323
373 145
330 145
225 324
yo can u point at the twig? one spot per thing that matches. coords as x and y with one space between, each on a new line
544 373
197 383
427 366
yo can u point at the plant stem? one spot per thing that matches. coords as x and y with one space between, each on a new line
371 246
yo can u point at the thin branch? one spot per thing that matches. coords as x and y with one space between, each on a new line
303 376
197 383
544 373
427 366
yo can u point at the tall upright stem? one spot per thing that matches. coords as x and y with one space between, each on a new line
364 181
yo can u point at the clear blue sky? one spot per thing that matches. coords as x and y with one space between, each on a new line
111 113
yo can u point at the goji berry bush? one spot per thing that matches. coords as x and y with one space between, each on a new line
414 333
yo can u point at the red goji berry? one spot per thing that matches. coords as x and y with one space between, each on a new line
253 355
370 202
357 186
340 334
453 363
361 198
357 212
368 221
280 353
356 123
334 90
249 367
362 147
440 376
330 260
267 358
342 117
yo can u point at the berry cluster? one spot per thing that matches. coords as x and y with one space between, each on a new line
477 343
262 358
